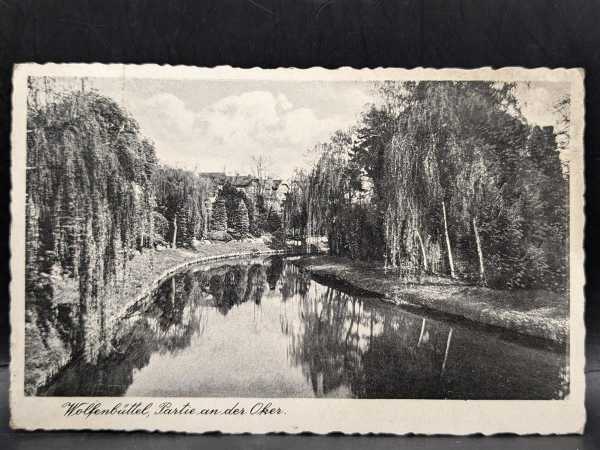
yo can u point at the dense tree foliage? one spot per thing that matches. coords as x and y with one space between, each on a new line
239 221
232 198
436 177
273 223
443 177
182 198
219 216
89 199
95 196
295 204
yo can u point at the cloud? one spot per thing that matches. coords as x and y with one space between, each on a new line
243 119
232 129
283 125
168 117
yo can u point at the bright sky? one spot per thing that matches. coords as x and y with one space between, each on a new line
216 125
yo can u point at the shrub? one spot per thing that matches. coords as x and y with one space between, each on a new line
273 221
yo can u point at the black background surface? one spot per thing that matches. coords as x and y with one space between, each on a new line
304 33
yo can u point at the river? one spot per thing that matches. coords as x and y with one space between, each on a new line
262 328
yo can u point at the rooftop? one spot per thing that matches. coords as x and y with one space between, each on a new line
240 181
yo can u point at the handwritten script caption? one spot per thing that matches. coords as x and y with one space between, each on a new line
147 409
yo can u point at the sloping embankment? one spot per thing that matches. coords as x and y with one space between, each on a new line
537 313
191 258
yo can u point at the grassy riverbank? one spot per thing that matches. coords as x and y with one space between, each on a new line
537 313
47 350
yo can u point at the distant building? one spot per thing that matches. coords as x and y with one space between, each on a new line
242 181
217 177
271 189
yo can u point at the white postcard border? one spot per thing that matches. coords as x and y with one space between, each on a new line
315 415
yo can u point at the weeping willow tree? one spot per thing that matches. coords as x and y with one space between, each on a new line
89 203
330 191
294 205
411 190
460 183
182 198
452 144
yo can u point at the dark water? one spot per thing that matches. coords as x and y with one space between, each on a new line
262 328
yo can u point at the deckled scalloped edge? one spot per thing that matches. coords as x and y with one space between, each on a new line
365 74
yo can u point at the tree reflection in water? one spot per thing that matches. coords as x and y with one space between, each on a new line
164 322
347 343
274 270
320 341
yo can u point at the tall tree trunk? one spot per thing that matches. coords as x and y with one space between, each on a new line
422 250
151 241
174 244
206 219
309 231
151 237
285 227
479 252
450 260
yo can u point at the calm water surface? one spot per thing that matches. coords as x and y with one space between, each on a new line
263 328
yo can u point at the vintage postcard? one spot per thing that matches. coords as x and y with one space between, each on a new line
248 250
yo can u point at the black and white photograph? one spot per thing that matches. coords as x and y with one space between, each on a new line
300 237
